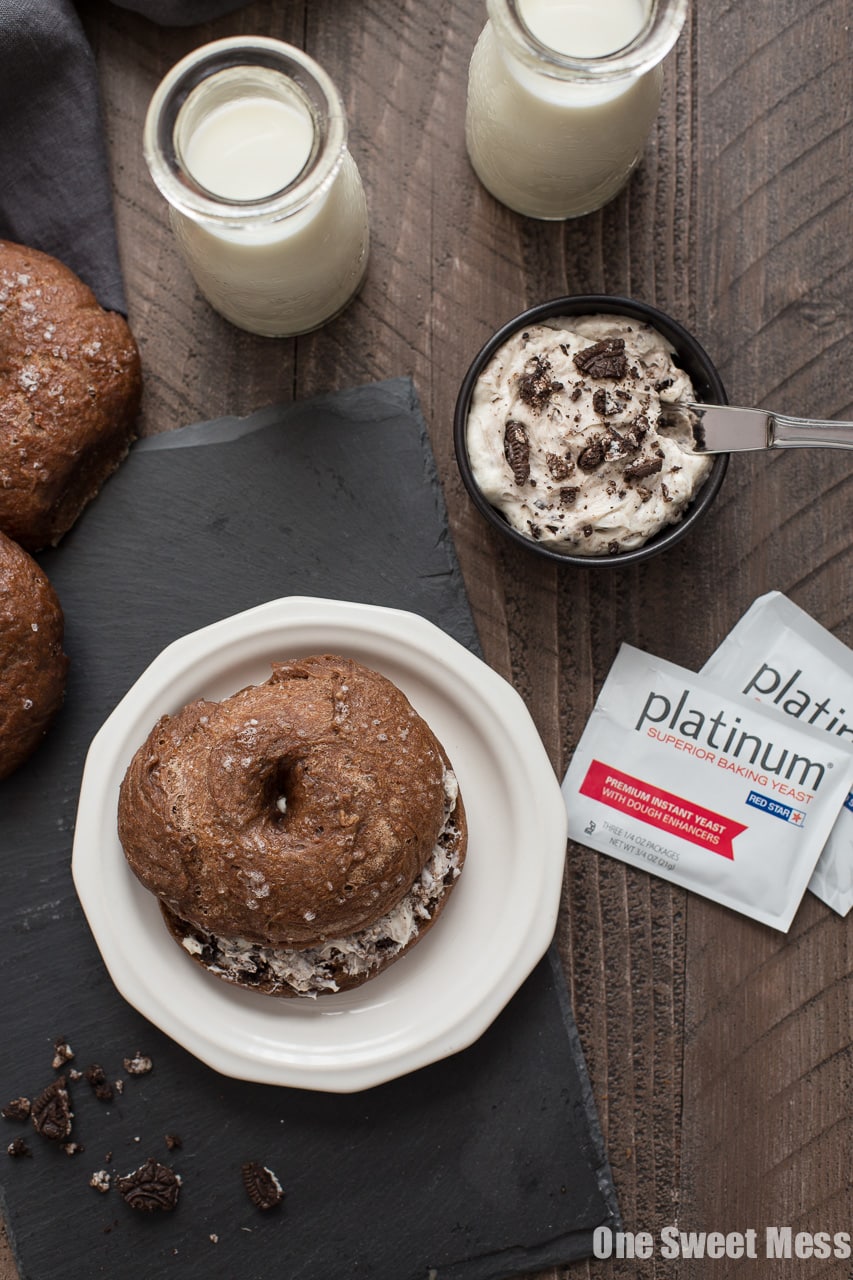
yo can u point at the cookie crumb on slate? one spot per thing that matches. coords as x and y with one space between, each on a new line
62 1052
100 1180
151 1187
17 1147
263 1187
73 1148
51 1112
17 1109
172 1141
138 1065
101 1086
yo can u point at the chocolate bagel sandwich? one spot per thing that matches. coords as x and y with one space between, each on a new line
300 835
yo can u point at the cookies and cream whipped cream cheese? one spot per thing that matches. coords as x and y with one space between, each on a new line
311 971
565 434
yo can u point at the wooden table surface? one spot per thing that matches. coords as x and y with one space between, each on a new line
719 1050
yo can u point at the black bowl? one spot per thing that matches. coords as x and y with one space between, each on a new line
689 355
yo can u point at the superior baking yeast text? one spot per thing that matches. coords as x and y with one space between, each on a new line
708 790
780 656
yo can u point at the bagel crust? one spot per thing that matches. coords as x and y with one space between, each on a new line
70 388
292 814
33 666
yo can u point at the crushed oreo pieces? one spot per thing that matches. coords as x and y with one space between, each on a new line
536 386
17 1109
17 1148
517 451
604 404
51 1112
101 1181
605 359
151 1188
593 455
262 1186
138 1065
101 1086
560 468
642 467
62 1053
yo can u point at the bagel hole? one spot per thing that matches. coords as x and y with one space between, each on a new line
279 789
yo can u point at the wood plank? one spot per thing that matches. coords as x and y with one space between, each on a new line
718 1050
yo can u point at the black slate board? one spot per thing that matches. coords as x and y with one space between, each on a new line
476 1168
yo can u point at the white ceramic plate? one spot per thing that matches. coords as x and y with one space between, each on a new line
442 995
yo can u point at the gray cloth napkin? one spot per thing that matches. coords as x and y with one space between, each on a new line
55 192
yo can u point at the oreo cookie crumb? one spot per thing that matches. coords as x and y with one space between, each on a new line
262 1186
17 1109
73 1148
605 359
101 1086
517 451
62 1053
151 1188
603 403
592 456
101 1181
138 1065
17 1148
537 386
173 1141
642 467
560 468
51 1112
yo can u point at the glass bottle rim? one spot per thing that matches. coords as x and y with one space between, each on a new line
648 48
311 83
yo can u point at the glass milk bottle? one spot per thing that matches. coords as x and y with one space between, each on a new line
247 140
561 97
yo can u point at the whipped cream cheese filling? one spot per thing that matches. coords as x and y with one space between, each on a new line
566 435
312 970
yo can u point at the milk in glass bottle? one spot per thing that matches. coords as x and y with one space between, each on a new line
247 140
561 97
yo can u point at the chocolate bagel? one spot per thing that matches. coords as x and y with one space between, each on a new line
33 666
301 834
70 388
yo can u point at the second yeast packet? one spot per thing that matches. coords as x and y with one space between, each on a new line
778 654
712 791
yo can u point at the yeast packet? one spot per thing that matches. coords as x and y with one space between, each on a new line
710 790
778 654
